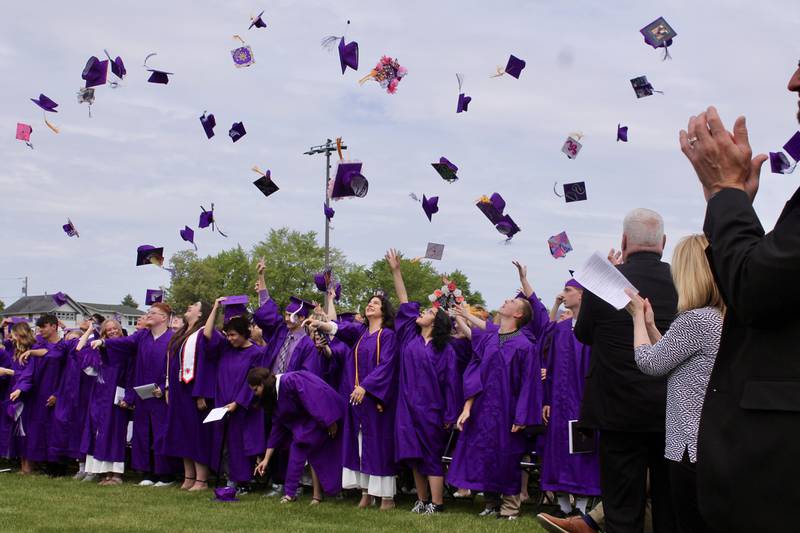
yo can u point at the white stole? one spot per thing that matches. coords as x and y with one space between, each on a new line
189 356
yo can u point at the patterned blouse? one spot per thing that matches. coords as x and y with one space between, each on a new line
685 354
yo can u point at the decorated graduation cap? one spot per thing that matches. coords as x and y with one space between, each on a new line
235 306
117 67
207 219
349 181
69 229
463 99
156 76
86 96
387 72
187 234
329 212
492 207
59 299
642 87
95 72
434 251
153 296
622 133
324 279
348 52
792 146
24 133
572 145
559 245
298 307
48 105
780 164
575 192
257 22
149 255
209 123
659 34
446 169
430 206
242 55
449 295
265 183
237 131
513 68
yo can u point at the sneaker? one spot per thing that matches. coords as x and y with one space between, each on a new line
432 508
163 484
419 507
146 483
277 490
79 476
89 478
510 517
241 491
490 511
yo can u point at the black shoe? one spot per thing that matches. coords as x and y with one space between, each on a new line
432 508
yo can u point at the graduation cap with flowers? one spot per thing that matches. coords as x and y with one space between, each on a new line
449 295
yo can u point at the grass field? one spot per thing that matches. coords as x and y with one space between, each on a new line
40 503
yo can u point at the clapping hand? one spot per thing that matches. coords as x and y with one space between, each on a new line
636 306
615 257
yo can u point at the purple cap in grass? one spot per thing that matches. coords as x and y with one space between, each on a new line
463 103
147 255
59 299
622 133
658 33
153 296
225 494
514 66
348 55
792 147
446 169
492 207
45 103
266 185
299 307
95 72
329 212
430 206
349 181
208 122
237 131
572 282
257 22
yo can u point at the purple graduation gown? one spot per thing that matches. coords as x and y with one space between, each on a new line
37 418
185 435
426 397
500 378
245 434
379 379
567 366
69 416
306 407
7 406
304 356
106 429
149 416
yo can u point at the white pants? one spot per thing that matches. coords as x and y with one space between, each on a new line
379 486
93 466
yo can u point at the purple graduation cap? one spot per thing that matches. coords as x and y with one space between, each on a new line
329 212
243 55
207 219
572 282
622 133
59 299
95 72
322 280
235 306
446 169
187 234
70 230
492 207
348 55
153 296
346 317
45 103
559 245
642 87
507 227
298 307
225 494
156 76
209 122
463 100
117 66
792 147
146 255
513 67
237 131
265 183
257 22
780 164
659 34
430 206
349 181
575 192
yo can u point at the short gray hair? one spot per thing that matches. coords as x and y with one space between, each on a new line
644 228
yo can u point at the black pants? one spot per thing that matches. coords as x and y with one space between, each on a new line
626 457
683 486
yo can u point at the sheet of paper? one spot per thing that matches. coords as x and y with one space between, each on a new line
119 395
602 278
145 391
90 371
216 414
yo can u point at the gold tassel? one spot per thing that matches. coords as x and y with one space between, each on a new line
51 126
257 170
484 200
368 77
240 40
500 72
339 148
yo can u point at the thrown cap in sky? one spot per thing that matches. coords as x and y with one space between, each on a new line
513 67
507 227
299 307
792 147
329 212
187 234
156 76
24 133
265 184
434 251
642 87
235 306
492 207
45 103
323 280
349 181
430 206
153 296
257 22
237 131
659 34
243 55
117 66
59 299
69 229
348 55
575 192
622 133
206 218
208 122
147 255
463 99
559 245
780 164
95 72
571 147
446 169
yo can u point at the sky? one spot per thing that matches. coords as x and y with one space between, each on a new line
139 169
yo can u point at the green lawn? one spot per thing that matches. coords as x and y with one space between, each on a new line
39 503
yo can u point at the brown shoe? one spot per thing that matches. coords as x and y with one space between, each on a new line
573 524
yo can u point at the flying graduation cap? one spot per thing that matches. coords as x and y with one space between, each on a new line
265 183
24 133
622 133
95 72
559 245
446 169
243 55
434 251
659 34
430 206
117 68
69 229
329 212
348 52
575 192
257 22
156 76
46 104
59 299
237 131
463 100
149 255
643 88
207 219
187 234
572 145
349 181
493 207
778 161
513 67
324 280
209 123
153 296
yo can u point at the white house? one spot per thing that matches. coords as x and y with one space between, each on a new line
72 312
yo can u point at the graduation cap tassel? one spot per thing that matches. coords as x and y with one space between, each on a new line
257 170
214 226
50 125
500 71
555 184
666 53
339 148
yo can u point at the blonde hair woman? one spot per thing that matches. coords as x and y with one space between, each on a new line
685 354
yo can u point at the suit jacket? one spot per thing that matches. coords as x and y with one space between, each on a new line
750 425
618 396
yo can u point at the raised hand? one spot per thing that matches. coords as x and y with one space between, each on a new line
521 269
261 266
393 259
615 257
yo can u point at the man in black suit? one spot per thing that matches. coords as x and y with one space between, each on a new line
750 423
625 405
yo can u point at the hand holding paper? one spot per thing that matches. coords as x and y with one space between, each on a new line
602 278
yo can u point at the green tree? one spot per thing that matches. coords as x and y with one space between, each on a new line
460 279
130 302
228 273
2 305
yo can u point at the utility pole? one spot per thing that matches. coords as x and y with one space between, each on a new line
25 286
327 148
